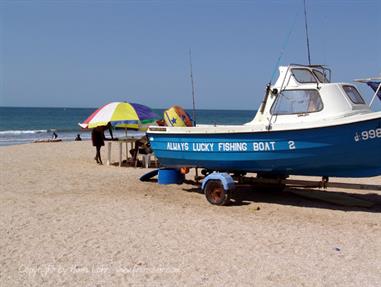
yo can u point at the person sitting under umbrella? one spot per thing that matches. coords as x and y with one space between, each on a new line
121 115
98 138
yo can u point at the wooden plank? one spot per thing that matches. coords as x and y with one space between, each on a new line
354 186
319 184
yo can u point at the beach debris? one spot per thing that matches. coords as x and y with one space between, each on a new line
254 209
47 141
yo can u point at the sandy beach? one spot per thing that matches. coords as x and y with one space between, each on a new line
66 221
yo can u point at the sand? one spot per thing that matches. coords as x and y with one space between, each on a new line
66 221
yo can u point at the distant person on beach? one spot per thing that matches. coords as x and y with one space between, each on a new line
98 138
78 138
54 135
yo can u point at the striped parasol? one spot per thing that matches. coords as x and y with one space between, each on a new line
121 115
175 116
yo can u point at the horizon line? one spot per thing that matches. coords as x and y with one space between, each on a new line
58 107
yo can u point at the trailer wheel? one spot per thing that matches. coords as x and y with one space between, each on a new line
215 193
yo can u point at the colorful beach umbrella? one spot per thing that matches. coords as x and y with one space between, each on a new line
176 116
121 115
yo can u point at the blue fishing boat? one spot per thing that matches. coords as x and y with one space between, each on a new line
305 125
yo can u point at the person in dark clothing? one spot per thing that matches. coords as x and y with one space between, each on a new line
98 139
142 146
78 138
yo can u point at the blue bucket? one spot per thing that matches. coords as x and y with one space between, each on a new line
170 176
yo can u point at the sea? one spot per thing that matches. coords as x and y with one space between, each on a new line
20 125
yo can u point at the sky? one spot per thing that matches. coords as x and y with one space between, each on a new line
88 53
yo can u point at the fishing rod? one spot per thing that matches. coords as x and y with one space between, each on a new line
268 86
282 52
193 99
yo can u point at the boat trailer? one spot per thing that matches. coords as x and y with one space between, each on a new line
218 186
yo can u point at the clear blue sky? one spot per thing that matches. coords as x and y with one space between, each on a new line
87 53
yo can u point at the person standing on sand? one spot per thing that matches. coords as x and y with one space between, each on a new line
98 138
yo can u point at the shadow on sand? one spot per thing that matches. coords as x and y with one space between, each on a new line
302 197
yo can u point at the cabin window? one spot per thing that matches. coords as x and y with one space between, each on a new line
297 102
303 76
354 95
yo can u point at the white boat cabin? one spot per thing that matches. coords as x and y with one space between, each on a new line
304 95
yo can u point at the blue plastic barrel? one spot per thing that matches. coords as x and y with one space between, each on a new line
170 176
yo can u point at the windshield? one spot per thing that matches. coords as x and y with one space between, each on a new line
291 102
303 76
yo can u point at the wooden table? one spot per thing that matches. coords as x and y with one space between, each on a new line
129 140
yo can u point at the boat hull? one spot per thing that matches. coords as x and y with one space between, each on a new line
347 150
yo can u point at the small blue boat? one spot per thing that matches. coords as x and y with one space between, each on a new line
306 125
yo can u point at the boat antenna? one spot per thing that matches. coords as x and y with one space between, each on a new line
308 41
193 99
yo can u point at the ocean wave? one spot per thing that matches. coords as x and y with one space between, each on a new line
20 132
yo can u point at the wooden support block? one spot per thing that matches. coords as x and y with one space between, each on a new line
146 160
120 153
108 153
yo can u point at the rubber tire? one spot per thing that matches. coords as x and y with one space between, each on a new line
215 193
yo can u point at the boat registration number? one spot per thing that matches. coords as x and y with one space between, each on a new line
367 135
